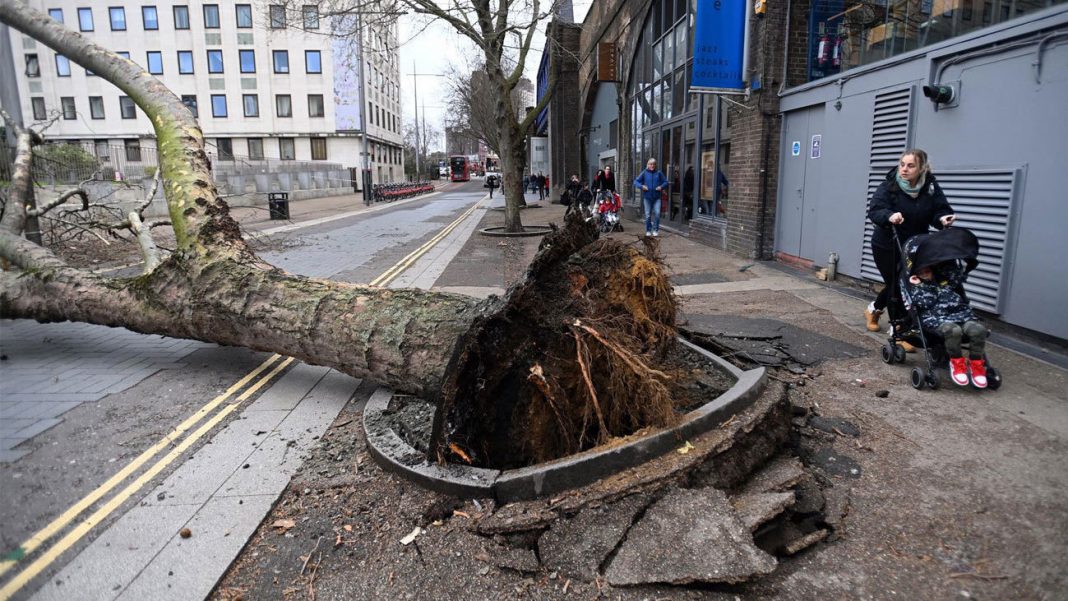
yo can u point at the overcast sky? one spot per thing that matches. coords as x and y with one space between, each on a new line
436 49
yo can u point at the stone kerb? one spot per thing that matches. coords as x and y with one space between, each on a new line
395 455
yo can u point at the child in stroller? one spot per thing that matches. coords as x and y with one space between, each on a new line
938 316
608 206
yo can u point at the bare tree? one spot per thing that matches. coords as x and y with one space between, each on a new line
429 134
577 350
474 106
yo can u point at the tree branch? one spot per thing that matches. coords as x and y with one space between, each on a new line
63 198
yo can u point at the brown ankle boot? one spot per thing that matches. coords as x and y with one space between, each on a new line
873 319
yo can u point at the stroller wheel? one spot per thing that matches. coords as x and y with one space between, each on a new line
993 378
932 380
919 378
888 354
899 354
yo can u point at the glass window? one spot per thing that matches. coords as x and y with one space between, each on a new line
133 150
283 104
85 19
150 18
225 146
654 104
248 60
211 16
117 14
318 149
315 105
251 103
127 109
62 66
255 149
39 112
70 112
669 52
96 107
281 61
155 62
190 101
311 16
215 61
666 96
33 66
678 93
278 16
218 105
658 61
244 16
123 54
287 149
313 61
56 14
181 17
185 61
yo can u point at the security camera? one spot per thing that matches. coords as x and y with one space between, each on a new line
940 94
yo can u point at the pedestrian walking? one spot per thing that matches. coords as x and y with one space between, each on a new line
598 181
541 186
526 183
652 182
491 183
911 200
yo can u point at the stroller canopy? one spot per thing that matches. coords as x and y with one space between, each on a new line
952 244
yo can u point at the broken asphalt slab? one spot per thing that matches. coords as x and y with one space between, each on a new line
689 536
770 341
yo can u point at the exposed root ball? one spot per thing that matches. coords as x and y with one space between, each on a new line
574 357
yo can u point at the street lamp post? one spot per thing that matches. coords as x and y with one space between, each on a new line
415 87
365 166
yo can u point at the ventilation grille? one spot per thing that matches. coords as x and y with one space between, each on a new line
982 201
889 138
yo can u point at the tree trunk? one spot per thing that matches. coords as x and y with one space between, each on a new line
398 338
513 162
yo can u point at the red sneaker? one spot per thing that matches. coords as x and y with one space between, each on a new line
958 370
978 369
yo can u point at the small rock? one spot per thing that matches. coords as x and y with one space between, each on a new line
161 496
882 394
485 570
245 467
185 533
834 425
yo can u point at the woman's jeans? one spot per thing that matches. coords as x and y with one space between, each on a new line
952 332
888 263
652 214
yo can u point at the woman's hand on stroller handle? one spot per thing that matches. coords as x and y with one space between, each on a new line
897 218
947 220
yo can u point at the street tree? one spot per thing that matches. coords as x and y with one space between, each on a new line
418 138
473 107
579 351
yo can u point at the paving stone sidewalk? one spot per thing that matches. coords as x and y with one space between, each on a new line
50 369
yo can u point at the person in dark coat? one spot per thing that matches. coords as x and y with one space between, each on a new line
541 186
935 294
572 191
609 182
910 200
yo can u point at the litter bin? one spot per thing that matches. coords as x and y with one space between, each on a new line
278 204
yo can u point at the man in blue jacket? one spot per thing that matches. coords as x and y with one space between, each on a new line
652 183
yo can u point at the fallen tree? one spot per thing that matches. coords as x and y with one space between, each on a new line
576 353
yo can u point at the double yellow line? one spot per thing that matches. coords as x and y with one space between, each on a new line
391 274
44 534
71 538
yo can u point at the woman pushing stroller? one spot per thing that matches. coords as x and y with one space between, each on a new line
911 200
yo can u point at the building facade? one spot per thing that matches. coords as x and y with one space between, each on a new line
268 83
834 95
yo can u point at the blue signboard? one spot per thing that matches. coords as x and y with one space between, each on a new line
719 42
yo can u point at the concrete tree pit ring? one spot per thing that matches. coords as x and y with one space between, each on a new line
528 231
393 451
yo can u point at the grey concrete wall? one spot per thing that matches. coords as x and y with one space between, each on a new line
1005 119
605 110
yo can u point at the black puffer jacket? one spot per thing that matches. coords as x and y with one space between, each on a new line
920 213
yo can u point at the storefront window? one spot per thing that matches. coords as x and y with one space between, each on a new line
669 52
844 34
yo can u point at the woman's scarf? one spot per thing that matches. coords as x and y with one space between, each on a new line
912 191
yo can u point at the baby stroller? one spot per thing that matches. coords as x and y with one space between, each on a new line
608 206
928 250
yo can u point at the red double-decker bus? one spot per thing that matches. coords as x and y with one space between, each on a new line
458 169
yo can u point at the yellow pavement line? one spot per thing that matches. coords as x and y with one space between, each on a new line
392 273
67 516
